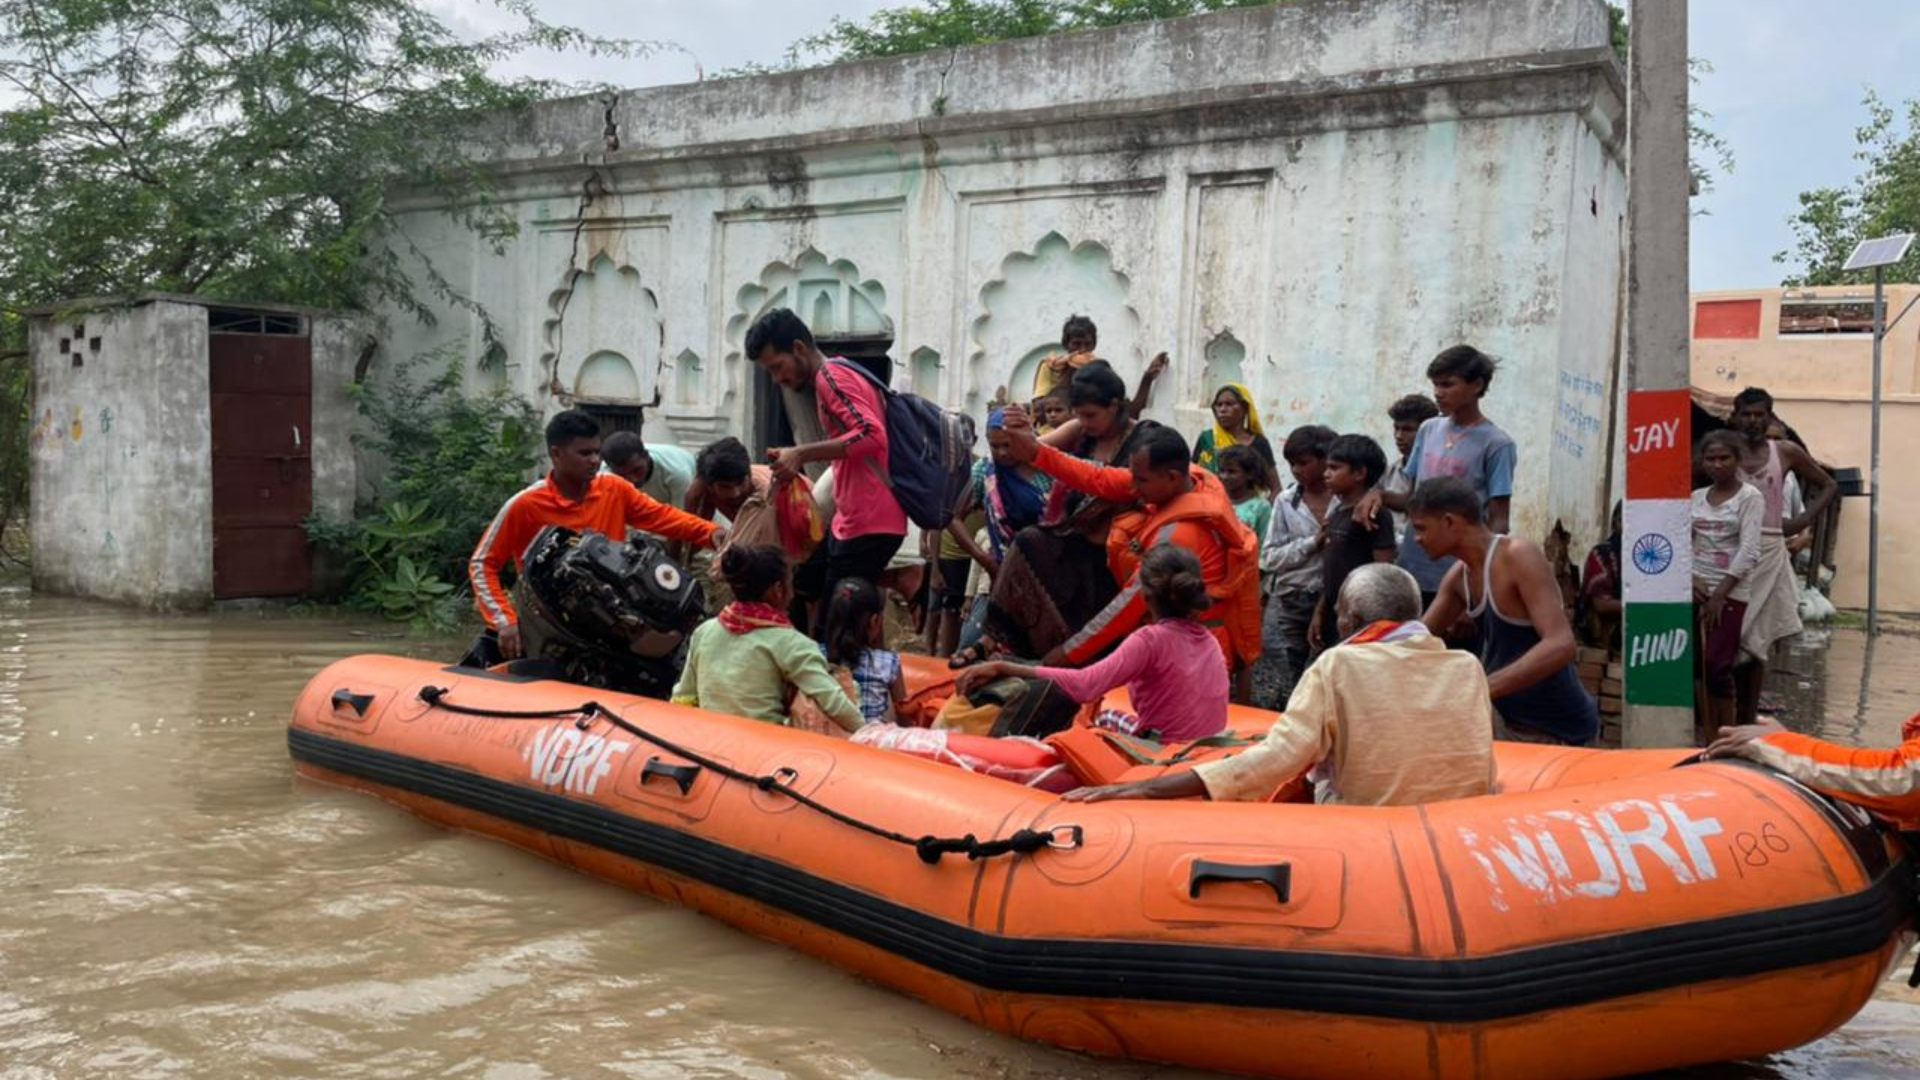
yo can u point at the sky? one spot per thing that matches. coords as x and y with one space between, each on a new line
1785 90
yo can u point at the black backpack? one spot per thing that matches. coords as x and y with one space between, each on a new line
929 453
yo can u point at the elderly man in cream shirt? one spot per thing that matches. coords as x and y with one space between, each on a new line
1389 717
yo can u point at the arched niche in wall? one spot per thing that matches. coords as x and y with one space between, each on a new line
607 375
603 337
1226 363
1022 309
924 370
835 302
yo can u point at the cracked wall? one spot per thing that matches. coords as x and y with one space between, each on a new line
1311 199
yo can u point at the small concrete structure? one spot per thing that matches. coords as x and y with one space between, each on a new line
149 487
1312 199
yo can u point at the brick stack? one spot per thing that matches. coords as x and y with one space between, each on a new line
1603 675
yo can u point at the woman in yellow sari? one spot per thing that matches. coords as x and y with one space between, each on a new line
1236 422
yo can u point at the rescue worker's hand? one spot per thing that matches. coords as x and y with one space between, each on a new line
510 645
1733 738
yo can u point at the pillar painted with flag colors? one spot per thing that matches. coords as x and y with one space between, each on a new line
1657 554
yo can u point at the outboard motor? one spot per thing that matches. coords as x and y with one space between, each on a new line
606 614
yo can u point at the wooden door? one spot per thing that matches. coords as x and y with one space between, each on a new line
262 389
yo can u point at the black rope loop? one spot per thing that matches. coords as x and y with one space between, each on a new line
929 848
436 696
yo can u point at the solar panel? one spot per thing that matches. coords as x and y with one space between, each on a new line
1885 251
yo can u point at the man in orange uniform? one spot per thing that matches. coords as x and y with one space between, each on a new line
1885 782
576 495
1182 504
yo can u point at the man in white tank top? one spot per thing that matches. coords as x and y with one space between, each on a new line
1773 613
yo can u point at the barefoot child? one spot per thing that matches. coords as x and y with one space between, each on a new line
1727 516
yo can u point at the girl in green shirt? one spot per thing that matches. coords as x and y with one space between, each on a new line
744 661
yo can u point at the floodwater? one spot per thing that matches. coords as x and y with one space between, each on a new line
174 903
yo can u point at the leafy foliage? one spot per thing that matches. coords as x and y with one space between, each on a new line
452 459
387 556
946 24
16 418
1708 153
1883 199
242 149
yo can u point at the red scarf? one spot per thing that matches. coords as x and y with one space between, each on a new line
1373 633
741 617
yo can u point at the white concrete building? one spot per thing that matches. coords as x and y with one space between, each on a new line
1311 199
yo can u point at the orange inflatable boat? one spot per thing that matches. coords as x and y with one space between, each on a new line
1606 914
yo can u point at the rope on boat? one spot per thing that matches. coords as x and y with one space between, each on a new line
930 848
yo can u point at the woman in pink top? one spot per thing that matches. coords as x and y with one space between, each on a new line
1171 668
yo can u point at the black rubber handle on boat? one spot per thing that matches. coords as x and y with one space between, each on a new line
683 775
359 703
1277 875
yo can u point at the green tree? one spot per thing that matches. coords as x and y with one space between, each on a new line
946 24
239 149
244 149
1883 199
1707 153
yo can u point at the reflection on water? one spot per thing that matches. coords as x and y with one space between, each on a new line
1844 686
175 904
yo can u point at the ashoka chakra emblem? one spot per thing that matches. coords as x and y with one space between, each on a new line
1652 554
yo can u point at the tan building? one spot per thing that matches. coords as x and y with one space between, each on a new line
1813 350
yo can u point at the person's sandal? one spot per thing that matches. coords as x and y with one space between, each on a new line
977 653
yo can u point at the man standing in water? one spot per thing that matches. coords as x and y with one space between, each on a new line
868 523
576 495
1507 587
1773 611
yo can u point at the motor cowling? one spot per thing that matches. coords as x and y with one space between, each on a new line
609 614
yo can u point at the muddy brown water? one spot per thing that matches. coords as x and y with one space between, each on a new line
174 903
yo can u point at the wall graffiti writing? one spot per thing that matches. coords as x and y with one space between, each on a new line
1577 424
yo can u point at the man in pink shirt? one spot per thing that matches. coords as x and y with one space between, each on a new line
868 524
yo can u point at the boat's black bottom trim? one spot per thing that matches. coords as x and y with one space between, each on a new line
1416 989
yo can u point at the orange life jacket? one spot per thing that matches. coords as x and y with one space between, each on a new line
1235 615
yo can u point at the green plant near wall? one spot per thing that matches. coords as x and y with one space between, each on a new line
448 461
390 555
